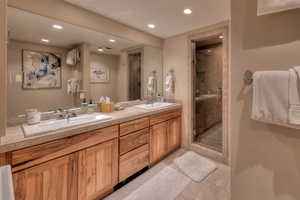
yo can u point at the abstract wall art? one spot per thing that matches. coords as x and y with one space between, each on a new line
41 70
271 6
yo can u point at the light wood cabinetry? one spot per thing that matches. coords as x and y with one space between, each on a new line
97 170
135 125
53 180
158 141
134 140
134 161
165 135
89 165
174 134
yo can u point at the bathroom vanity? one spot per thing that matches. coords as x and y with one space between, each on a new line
88 161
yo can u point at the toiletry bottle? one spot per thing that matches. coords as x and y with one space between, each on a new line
92 107
84 106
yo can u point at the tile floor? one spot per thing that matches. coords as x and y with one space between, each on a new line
215 187
212 138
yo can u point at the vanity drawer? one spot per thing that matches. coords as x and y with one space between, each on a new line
134 161
161 117
134 140
133 126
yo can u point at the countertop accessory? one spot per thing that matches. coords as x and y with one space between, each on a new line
107 107
33 116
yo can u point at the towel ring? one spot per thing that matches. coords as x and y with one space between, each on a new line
248 77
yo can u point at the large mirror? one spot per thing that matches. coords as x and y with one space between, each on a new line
54 65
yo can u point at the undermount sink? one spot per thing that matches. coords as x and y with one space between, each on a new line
155 105
57 124
206 96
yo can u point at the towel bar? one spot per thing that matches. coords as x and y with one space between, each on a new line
248 77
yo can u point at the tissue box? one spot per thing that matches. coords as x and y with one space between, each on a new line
107 107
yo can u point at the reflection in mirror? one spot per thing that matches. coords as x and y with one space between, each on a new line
53 65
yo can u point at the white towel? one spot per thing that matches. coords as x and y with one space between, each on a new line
6 184
73 86
294 96
271 97
170 86
73 57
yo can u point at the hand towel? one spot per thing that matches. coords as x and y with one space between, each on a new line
294 96
6 183
270 97
170 86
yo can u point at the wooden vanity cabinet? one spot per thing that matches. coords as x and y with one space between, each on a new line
174 134
165 135
98 170
52 180
86 168
158 141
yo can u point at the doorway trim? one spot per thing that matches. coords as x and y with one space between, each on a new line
201 34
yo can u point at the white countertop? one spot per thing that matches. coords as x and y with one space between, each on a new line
15 139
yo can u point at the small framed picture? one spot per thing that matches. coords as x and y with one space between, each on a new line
99 74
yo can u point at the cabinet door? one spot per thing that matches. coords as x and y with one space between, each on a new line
98 170
158 142
53 180
174 134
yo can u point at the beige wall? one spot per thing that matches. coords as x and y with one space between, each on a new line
176 54
122 77
63 11
18 99
3 60
265 158
105 89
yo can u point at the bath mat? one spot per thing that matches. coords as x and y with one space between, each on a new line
165 185
195 166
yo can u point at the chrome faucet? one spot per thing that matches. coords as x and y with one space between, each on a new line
67 114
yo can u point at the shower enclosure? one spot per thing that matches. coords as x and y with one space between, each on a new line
208 104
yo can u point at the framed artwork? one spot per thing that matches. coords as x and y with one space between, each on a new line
99 74
41 70
265 7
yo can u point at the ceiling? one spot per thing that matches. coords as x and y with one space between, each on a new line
167 15
25 26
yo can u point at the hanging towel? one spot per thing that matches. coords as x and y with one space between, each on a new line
170 86
73 57
294 96
271 97
73 86
6 183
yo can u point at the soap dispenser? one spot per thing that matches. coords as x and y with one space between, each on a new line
84 106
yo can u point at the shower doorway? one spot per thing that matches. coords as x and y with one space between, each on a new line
135 71
209 93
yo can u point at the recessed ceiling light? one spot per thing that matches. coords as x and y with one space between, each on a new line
100 49
45 40
57 26
151 26
112 40
187 11
221 36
